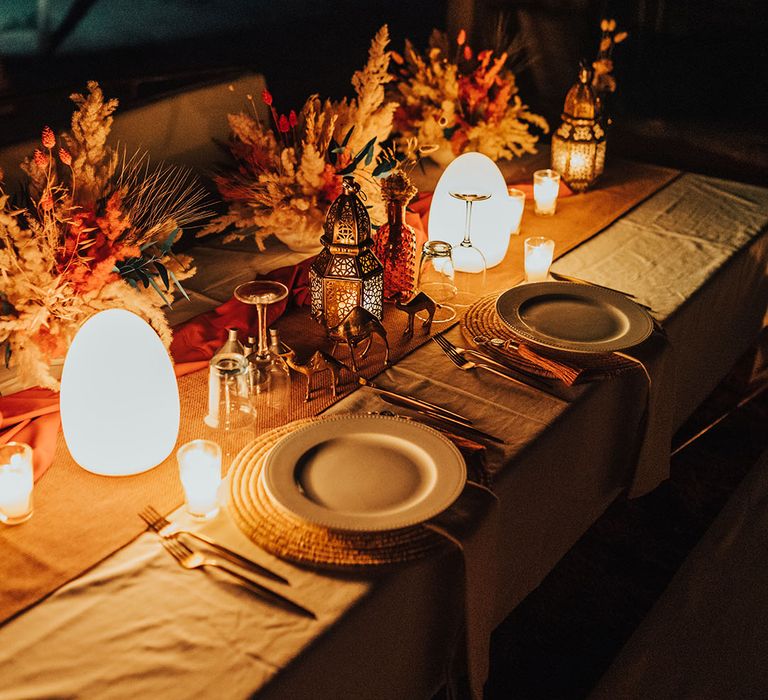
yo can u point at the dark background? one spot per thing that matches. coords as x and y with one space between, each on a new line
692 77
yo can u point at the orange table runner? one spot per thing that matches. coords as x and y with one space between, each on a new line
82 518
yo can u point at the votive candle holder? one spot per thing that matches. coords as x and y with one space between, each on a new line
200 474
546 185
517 205
16 482
539 252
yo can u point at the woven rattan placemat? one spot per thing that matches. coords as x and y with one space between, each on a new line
481 319
288 536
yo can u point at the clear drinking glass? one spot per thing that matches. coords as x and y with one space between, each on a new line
437 280
268 377
468 259
16 481
230 419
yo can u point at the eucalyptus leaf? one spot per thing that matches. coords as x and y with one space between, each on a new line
163 272
359 157
383 168
173 236
346 138
160 292
333 146
178 284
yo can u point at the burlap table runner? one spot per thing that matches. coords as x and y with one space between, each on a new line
81 518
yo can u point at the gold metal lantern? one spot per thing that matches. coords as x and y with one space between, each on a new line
346 273
578 145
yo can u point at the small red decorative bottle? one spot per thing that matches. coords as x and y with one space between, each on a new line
395 244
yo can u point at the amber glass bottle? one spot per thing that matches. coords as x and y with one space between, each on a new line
395 244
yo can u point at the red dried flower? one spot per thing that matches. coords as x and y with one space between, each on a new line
46 202
49 140
467 53
41 160
293 120
65 156
462 37
267 97
283 124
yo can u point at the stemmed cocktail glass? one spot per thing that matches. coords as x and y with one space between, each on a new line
468 259
268 376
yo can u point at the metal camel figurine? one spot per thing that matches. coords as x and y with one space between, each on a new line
419 302
359 325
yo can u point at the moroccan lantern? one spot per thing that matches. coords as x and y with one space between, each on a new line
578 145
346 273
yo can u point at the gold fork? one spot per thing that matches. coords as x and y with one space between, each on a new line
158 523
465 364
190 559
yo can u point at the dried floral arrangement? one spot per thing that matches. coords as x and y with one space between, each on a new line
287 172
95 232
461 100
603 80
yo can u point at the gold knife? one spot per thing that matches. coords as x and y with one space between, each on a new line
413 401
455 425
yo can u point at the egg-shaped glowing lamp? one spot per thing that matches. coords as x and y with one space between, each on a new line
473 173
119 396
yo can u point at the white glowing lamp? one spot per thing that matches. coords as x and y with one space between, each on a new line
119 396
491 220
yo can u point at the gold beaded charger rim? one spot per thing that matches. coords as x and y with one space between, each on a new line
481 319
283 534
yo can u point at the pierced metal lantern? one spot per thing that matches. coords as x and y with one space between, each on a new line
346 273
578 145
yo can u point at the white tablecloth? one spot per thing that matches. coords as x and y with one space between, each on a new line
137 624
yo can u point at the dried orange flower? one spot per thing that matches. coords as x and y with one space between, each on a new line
41 160
49 140
462 37
65 156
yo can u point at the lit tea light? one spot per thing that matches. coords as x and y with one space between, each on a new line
546 184
16 481
538 258
578 161
517 205
200 473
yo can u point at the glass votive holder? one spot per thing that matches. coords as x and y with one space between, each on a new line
546 185
538 258
229 393
437 279
200 474
517 206
16 481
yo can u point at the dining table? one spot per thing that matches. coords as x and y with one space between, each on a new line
694 249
